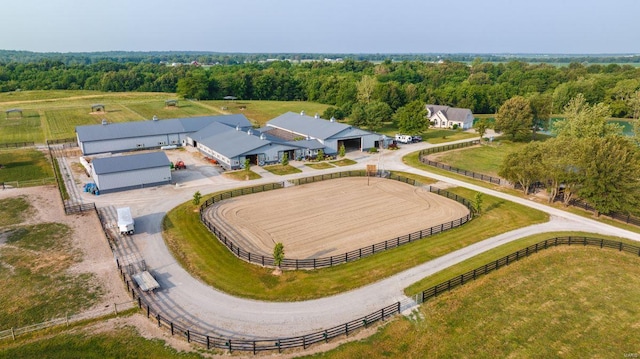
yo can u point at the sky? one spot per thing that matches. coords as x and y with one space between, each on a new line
324 26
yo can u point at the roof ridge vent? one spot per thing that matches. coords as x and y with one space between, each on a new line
262 136
316 115
155 118
104 122
333 119
302 113
249 132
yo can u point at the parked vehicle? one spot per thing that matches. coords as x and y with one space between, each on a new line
403 138
415 139
180 165
126 224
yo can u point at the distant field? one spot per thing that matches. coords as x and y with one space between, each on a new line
262 111
55 114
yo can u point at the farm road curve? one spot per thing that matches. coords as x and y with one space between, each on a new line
208 310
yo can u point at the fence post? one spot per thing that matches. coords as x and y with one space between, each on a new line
115 307
13 334
172 329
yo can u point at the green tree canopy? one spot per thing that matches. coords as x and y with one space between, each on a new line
582 120
412 118
611 169
515 117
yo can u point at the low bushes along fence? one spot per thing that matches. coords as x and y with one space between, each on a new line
424 153
29 183
314 263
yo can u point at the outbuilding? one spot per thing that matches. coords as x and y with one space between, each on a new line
120 173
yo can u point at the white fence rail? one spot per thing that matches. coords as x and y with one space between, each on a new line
117 307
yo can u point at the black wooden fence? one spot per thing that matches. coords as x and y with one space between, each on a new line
257 345
523 253
314 263
17 144
212 340
424 153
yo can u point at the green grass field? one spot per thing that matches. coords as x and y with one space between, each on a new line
24 165
34 264
262 111
568 302
485 159
115 343
319 165
202 255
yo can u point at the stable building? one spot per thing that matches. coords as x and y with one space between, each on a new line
129 136
331 134
231 147
119 173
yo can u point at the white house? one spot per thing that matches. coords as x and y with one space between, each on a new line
447 117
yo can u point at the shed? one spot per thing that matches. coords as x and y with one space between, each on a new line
14 112
97 107
120 173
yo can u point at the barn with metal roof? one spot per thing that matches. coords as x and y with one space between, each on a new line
127 136
118 173
329 133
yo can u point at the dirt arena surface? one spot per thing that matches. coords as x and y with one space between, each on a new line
333 217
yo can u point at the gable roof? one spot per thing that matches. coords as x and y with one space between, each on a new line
230 143
154 128
105 165
451 113
307 126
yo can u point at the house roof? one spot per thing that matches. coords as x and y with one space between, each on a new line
153 128
451 113
307 126
105 165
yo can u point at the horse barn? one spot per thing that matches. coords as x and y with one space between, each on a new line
230 139
136 135
119 173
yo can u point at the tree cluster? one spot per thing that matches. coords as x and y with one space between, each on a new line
588 159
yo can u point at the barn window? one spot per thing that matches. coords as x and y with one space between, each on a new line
139 145
174 141
162 143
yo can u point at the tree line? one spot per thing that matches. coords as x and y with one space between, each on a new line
364 91
589 158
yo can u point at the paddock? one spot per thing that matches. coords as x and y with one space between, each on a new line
331 217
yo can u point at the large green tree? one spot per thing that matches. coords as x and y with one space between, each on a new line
412 118
611 169
582 120
523 166
515 117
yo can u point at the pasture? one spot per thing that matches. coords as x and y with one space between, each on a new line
329 218
532 308
262 111
24 165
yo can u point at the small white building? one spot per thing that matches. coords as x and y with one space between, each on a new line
449 117
119 173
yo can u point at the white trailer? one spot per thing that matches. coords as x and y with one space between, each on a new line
125 221
404 138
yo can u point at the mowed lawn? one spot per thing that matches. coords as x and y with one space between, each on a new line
147 110
262 111
485 158
24 164
573 302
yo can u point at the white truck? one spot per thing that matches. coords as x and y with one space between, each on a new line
404 138
125 221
